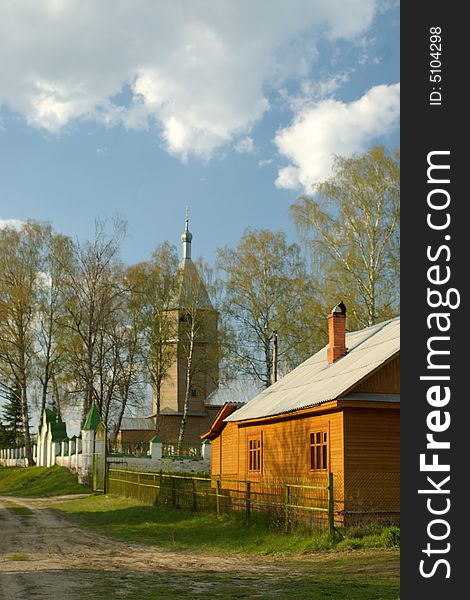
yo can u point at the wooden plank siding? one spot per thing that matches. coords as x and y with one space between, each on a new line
386 380
372 440
363 453
229 452
285 449
216 455
372 459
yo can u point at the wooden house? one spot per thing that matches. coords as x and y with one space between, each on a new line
338 412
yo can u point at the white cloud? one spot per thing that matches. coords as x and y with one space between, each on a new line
12 223
330 127
196 71
265 162
245 146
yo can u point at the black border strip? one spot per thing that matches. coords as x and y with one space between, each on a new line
426 128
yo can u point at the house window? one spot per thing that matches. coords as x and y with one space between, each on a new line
193 392
254 453
319 451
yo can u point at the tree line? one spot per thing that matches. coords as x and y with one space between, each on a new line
79 326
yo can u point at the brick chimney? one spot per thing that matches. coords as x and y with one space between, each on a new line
337 333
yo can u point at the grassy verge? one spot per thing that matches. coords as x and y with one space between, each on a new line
127 519
299 569
296 585
39 481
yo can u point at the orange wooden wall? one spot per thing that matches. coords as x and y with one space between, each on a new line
372 459
285 446
364 446
364 453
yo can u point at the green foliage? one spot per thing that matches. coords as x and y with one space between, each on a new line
5 437
390 537
39 481
387 537
11 427
21 260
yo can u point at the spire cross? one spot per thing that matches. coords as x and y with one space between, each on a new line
186 238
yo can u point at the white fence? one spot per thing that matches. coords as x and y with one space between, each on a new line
76 455
14 457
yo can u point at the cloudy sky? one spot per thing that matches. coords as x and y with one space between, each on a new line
142 107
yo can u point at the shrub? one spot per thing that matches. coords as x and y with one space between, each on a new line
390 537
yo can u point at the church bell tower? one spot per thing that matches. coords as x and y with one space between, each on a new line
195 368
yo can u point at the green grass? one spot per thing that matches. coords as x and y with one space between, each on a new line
304 584
304 566
19 557
39 481
177 529
21 511
127 519
309 582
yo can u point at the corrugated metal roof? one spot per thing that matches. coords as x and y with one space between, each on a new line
137 424
315 381
237 391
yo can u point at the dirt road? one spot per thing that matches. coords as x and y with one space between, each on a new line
43 556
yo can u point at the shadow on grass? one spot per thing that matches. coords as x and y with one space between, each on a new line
181 530
178 529
172 584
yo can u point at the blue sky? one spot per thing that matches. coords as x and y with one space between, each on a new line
143 107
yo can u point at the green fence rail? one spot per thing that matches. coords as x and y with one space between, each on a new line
286 502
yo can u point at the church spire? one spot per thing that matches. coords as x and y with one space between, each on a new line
186 238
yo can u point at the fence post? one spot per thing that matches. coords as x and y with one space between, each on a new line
160 489
193 481
173 492
331 508
106 475
248 502
217 495
286 508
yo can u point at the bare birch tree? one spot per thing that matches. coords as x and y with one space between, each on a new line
20 267
266 290
351 224
94 294
51 343
154 286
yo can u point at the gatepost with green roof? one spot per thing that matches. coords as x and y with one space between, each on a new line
92 420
